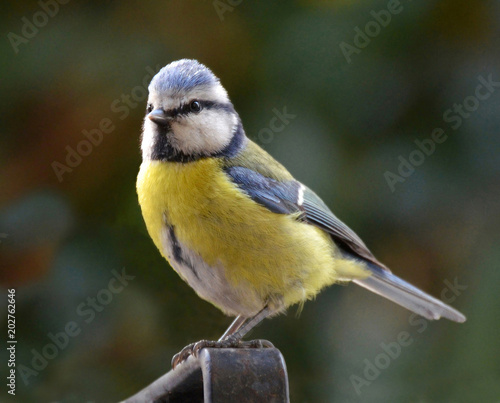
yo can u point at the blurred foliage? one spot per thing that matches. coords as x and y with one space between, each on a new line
62 241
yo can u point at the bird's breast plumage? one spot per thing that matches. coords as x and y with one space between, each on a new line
194 211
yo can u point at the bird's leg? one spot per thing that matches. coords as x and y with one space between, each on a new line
240 327
236 325
230 339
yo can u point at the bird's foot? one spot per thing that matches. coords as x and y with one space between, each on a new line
195 348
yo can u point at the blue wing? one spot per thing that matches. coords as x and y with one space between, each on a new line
278 196
291 196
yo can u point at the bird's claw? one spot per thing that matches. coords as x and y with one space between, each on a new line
182 355
195 348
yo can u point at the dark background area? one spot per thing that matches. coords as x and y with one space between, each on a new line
358 112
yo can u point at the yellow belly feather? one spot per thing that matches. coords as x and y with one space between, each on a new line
274 254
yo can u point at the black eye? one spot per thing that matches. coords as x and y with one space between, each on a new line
149 108
195 106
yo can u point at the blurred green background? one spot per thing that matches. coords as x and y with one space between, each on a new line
65 235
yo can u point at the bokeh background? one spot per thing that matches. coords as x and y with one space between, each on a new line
63 238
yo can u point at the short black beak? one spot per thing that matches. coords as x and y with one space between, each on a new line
159 117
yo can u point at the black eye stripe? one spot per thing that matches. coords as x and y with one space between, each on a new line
185 109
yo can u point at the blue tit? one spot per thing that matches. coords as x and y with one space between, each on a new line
233 222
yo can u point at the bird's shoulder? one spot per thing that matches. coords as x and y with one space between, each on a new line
256 159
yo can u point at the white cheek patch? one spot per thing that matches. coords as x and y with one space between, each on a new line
205 133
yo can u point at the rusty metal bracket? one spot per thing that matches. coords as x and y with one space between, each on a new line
222 375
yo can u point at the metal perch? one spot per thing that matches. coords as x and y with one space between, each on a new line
222 376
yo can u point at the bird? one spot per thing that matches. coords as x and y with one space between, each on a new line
234 223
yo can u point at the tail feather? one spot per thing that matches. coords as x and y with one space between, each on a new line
389 286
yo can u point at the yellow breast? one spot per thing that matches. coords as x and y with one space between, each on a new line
274 255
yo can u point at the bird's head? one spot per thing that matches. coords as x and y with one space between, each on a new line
189 116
